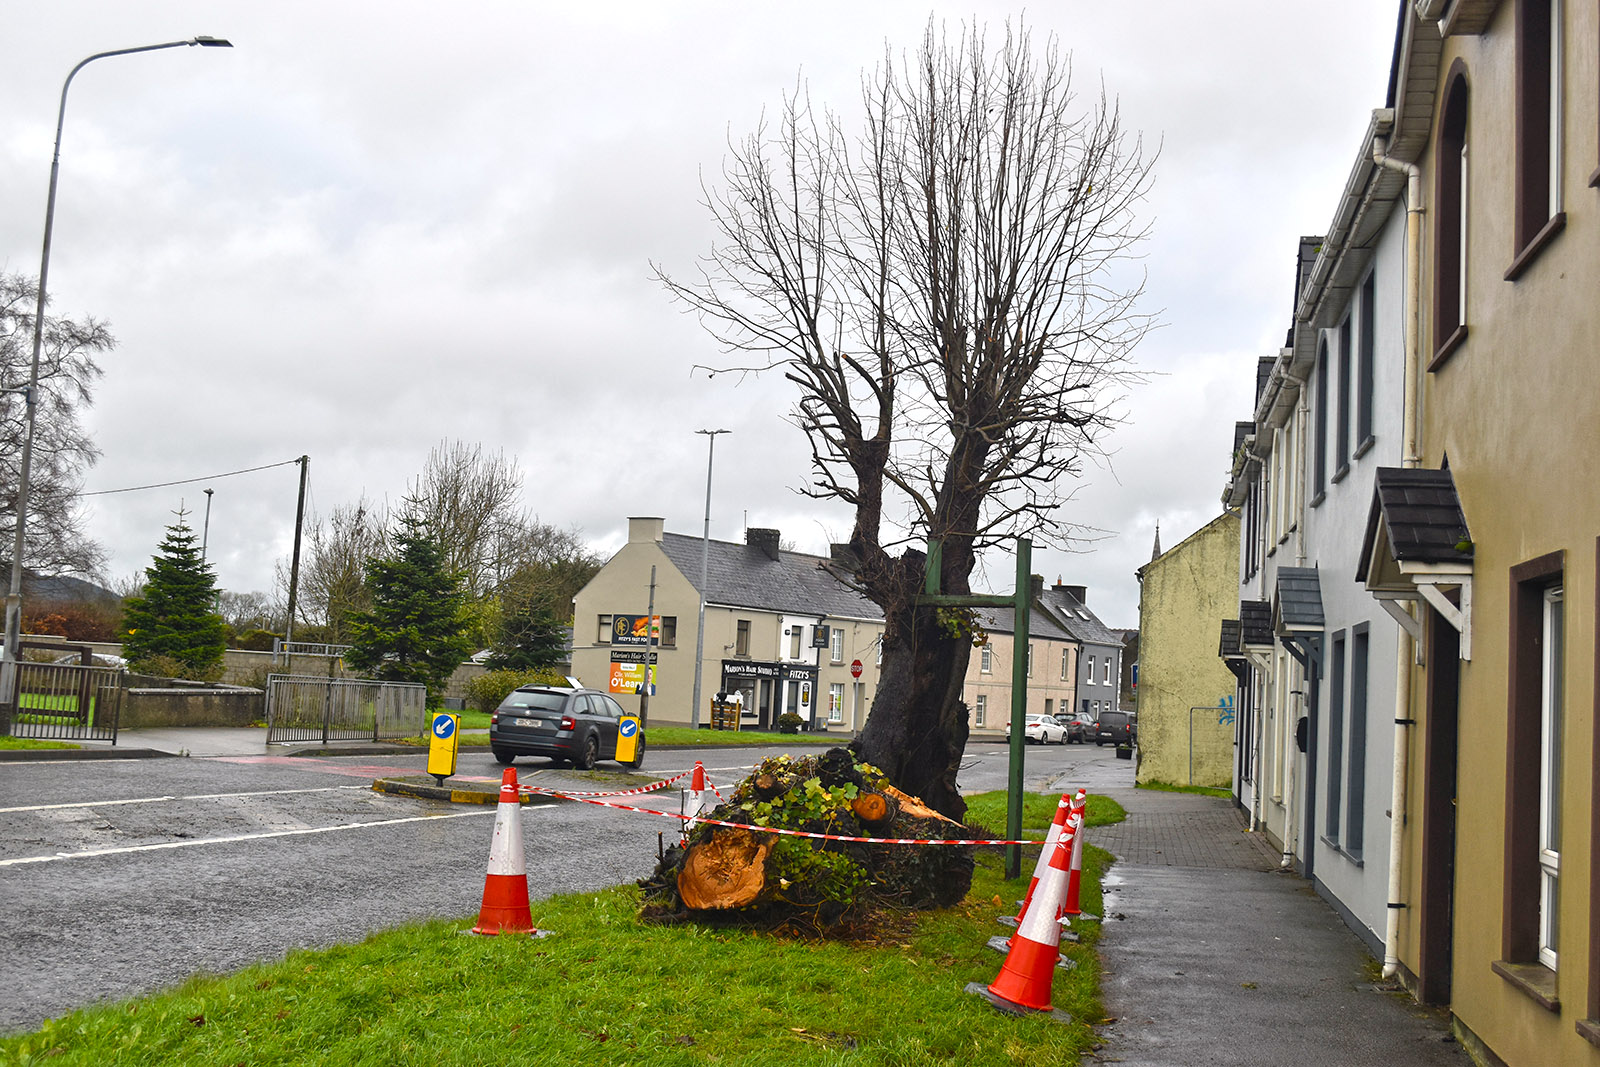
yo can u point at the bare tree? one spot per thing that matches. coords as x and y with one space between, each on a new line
54 541
467 499
951 291
333 573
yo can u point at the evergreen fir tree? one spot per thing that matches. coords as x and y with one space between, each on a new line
174 617
531 636
416 630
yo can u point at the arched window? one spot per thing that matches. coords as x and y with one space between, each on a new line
1450 220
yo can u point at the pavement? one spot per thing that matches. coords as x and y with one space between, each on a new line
1213 957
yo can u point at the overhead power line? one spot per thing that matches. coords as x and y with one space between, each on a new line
187 481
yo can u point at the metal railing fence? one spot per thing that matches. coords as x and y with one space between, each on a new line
311 708
68 702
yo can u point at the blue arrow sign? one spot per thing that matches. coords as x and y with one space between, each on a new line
444 725
629 727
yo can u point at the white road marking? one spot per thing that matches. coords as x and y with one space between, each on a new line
157 800
234 839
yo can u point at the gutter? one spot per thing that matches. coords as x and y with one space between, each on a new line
1403 644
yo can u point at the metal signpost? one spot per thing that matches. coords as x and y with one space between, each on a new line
1019 602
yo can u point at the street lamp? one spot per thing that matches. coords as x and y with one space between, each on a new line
705 550
13 640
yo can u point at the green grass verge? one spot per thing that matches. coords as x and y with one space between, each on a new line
31 742
608 989
1169 787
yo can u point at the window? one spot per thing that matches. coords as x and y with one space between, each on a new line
1550 735
741 643
1335 807
836 644
669 631
1341 428
980 709
1089 674
1105 668
1319 451
1066 659
794 641
1356 776
1534 743
1538 137
879 660
836 701
986 660
1366 340
1030 659
1450 220
603 631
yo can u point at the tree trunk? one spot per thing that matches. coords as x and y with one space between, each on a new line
727 871
918 727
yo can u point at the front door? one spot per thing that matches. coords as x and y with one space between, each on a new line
1439 810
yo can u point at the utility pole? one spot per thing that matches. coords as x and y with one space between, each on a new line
205 533
705 550
649 653
294 562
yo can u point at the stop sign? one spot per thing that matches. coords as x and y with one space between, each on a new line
855 669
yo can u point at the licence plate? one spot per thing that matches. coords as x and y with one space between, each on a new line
531 724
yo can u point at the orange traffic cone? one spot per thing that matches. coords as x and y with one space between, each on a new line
1063 810
697 796
1069 902
1025 977
505 890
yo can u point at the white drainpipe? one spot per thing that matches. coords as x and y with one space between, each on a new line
1410 405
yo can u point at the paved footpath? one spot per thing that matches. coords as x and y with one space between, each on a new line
1215 958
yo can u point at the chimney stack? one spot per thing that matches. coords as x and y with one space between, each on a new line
1080 593
764 539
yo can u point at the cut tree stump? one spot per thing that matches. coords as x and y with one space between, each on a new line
726 871
914 807
875 809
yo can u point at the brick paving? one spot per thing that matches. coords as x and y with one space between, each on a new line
1183 830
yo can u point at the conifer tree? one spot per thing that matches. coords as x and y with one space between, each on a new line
174 617
416 629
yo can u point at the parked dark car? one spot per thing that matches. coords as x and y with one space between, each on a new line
577 726
1080 727
1115 728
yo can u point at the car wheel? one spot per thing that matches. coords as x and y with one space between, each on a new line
591 754
638 756
501 756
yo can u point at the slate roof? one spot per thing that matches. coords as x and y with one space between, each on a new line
1422 514
1255 622
1040 623
744 576
1241 430
1264 367
1230 645
1073 616
1298 603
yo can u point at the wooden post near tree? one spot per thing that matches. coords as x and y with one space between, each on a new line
1020 603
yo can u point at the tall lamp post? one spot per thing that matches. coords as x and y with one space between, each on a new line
13 641
705 552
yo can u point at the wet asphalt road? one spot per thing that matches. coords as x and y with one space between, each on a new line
121 877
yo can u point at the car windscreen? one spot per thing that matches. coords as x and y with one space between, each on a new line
536 701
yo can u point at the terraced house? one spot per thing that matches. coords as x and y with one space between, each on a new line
1480 537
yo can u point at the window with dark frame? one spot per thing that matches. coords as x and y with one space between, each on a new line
1538 147
603 630
1320 425
1366 341
1335 738
1450 219
741 642
1535 728
1356 776
1341 429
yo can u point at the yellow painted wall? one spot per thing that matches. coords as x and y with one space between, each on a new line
1184 595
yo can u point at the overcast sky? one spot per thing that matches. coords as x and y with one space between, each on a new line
369 227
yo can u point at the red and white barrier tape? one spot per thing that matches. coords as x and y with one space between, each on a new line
620 793
775 829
